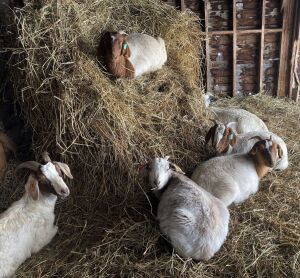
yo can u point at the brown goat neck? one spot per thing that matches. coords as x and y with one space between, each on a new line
260 167
121 67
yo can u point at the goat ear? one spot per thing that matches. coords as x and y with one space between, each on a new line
280 151
167 157
32 187
64 168
126 52
176 168
233 126
232 136
210 135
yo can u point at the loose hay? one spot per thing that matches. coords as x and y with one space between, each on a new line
104 128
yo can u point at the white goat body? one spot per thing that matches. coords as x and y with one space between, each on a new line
195 221
244 120
147 53
231 178
26 227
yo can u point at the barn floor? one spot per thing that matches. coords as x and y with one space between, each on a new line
123 241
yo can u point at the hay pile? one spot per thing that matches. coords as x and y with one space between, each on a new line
105 128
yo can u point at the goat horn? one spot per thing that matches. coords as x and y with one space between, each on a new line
215 121
31 165
46 157
257 137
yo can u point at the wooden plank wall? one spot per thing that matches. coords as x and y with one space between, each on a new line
248 46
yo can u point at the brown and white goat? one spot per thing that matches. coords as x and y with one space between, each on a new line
28 224
233 178
129 56
6 146
226 141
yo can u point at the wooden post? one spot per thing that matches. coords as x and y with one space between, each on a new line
284 60
208 81
234 47
262 44
182 5
294 79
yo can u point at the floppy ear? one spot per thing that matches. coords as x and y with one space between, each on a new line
280 151
210 135
176 168
64 168
233 126
232 136
126 52
255 148
32 187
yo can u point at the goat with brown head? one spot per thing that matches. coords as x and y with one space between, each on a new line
114 51
221 137
265 154
34 225
48 177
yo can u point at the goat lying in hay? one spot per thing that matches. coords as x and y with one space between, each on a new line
131 55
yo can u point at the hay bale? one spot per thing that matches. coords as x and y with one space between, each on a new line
101 126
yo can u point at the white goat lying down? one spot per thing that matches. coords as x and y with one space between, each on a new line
28 224
195 221
131 55
240 120
226 141
233 178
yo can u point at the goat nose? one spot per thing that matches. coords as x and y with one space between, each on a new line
64 192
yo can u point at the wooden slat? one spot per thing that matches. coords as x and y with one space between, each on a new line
182 5
234 47
208 79
294 79
284 63
262 44
241 32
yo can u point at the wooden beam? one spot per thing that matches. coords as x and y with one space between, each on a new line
241 32
294 79
182 5
234 47
284 60
262 45
208 79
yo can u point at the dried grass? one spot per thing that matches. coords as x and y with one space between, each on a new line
105 128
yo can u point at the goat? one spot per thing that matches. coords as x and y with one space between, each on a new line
233 178
130 56
240 120
6 145
28 224
226 141
195 222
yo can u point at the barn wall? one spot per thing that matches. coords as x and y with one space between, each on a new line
248 62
